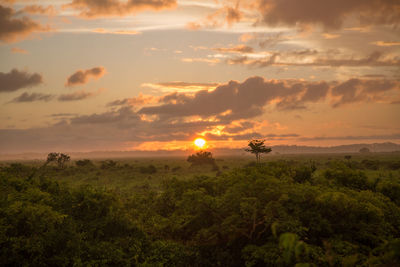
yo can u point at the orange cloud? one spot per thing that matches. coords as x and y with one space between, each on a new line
382 43
106 8
210 61
246 37
13 29
330 35
17 50
82 76
224 15
37 9
181 86
233 15
121 32
235 49
227 114
135 101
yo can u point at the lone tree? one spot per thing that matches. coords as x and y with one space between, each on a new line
202 158
59 158
257 147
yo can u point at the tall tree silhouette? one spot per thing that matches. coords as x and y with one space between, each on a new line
257 147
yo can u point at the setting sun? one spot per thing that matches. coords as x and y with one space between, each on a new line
200 142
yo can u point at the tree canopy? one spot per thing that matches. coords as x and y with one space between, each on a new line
278 214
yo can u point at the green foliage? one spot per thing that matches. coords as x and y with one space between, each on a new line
281 213
370 164
175 169
108 164
242 213
391 189
150 169
84 163
345 176
303 174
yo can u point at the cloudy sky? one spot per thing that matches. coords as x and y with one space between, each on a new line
90 75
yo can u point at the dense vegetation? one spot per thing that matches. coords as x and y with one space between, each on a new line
281 213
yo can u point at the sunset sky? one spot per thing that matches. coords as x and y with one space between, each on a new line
91 75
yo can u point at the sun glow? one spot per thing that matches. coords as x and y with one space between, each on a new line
200 142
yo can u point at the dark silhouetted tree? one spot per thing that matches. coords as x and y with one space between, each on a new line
59 158
257 147
202 158
62 159
51 157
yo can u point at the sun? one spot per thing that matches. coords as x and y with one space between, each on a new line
200 142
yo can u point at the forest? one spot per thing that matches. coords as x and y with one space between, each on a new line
340 210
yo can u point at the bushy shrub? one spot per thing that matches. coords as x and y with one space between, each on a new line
108 164
150 169
302 174
45 224
371 164
84 163
201 158
390 189
177 168
345 176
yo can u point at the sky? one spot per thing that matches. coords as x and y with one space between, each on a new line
99 75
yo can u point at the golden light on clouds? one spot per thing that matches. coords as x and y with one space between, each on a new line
249 70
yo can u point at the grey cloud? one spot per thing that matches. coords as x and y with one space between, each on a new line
329 13
15 79
249 136
26 97
134 101
316 92
356 90
375 59
238 100
350 137
119 102
122 114
174 98
56 115
82 76
75 96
